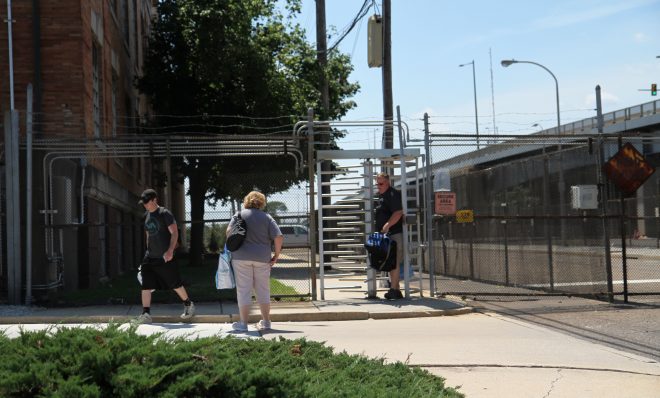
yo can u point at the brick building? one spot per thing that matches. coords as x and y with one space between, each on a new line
82 58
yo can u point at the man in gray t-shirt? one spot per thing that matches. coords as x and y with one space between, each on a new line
158 269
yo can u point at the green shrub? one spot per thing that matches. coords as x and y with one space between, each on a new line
86 362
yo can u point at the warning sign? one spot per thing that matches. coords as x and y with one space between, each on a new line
445 203
465 216
628 169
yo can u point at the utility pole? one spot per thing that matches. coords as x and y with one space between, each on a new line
322 57
325 130
388 108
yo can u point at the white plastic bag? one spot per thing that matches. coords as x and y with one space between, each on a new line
224 276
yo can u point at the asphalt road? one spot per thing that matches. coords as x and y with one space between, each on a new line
630 327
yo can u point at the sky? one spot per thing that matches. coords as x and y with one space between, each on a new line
611 43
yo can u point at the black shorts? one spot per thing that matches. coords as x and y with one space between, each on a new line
159 275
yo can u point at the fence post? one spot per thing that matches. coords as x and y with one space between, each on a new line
312 214
624 260
428 209
474 230
506 253
602 187
445 256
546 224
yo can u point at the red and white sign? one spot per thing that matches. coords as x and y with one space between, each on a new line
445 203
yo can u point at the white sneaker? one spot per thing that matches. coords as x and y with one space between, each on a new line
263 325
145 318
188 311
239 327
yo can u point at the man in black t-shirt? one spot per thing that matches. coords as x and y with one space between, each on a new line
158 269
388 219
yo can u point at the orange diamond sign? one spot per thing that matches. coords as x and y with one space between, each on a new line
628 169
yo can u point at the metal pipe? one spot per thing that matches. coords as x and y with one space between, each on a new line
11 55
28 198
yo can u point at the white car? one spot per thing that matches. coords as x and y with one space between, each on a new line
295 235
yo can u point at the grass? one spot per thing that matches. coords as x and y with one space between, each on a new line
125 289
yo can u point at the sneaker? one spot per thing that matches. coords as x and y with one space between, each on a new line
263 325
188 311
145 318
394 294
239 327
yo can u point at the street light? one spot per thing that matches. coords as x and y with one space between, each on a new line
506 63
474 84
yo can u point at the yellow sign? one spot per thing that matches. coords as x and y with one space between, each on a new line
464 216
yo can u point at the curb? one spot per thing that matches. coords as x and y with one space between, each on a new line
275 317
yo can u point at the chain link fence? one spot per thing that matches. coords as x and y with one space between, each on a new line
529 238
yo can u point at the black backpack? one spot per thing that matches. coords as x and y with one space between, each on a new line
382 252
237 233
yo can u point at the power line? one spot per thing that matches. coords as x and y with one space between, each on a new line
360 14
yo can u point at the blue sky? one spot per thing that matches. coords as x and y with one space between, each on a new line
612 43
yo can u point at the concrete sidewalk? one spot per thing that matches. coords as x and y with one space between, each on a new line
339 305
222 312
486 354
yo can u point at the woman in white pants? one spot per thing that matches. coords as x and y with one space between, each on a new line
253 260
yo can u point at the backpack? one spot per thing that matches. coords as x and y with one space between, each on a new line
382 251
237 233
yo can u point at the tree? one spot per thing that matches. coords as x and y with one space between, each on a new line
274 208
245 58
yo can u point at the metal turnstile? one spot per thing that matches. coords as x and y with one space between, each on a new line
345 218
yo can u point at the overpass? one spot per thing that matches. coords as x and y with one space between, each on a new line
643 119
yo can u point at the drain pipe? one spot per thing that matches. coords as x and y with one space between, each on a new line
83 165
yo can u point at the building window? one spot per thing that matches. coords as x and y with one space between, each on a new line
96 89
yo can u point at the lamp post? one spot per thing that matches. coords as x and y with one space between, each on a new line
474 84
507 62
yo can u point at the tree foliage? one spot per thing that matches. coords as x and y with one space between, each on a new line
242 58
236 67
